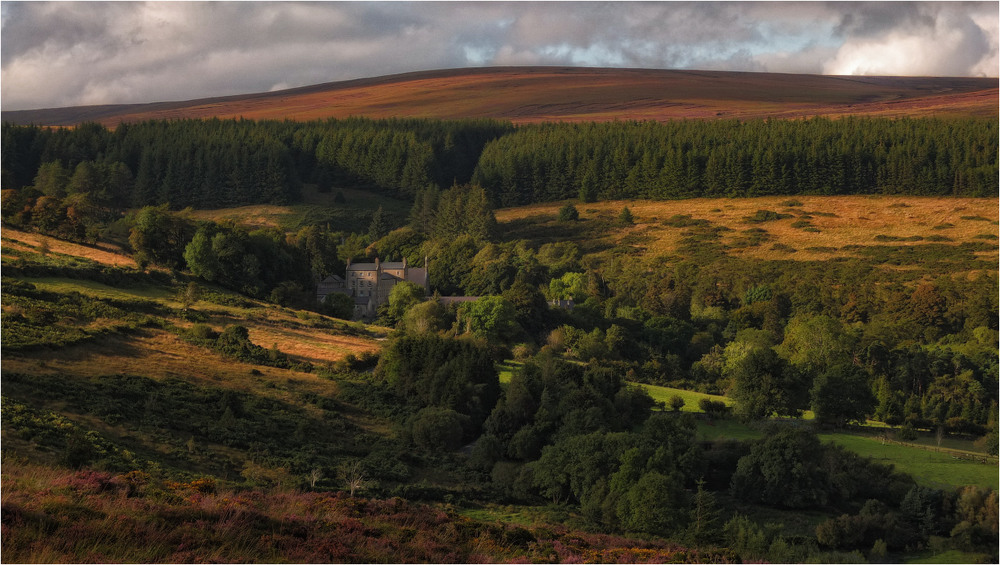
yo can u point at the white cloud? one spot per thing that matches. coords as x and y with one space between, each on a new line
67 53
950 44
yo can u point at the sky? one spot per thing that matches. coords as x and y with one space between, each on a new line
55 54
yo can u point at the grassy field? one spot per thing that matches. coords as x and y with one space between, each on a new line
813 227
941 469
932 468
317 208
691 399
950 556
26 241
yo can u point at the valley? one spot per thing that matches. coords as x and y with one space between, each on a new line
666 317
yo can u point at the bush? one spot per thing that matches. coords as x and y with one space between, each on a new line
676 403
907 432
568 213
436 429
202 332
714 408
626 218
765 216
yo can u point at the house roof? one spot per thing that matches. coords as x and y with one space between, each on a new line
361 267
393 265
333 279
417 276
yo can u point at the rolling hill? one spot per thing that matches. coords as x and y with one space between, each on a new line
540 94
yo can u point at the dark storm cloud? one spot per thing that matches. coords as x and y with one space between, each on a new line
56 54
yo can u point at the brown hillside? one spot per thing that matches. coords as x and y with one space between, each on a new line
539 94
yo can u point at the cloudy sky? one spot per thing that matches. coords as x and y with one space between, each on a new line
73 53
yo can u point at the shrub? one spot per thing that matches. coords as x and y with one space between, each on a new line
765 216
676 403
202 332
715 408
568 213
435 428
907 432
625 218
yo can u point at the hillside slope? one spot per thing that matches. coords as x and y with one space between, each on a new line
540 94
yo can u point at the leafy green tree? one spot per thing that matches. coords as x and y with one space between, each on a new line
570 286
402 297
491 317
430 370
815 343
352 248
841 394
437 429
530 309
199 256
784 470
160 237
761 383
338 305
655 504
428 316
51 179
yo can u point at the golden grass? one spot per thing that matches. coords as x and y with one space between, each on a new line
158 355
857 220
312 345
102 253
253 216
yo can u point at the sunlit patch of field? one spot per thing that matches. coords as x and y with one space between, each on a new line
100 290
815 227
155 354
316 209
253 216
691 398
101 253
161 355
312 344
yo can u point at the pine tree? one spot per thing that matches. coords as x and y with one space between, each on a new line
379 226
704 521
625 218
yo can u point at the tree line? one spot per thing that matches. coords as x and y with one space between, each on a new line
218 163
730 158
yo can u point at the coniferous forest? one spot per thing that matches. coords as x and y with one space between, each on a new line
597 401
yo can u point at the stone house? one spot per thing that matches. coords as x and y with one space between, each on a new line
369 284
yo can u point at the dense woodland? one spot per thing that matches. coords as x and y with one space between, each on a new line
216 163
914 348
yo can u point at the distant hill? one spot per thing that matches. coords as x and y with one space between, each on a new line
540 94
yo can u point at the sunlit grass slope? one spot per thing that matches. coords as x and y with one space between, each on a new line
789 228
